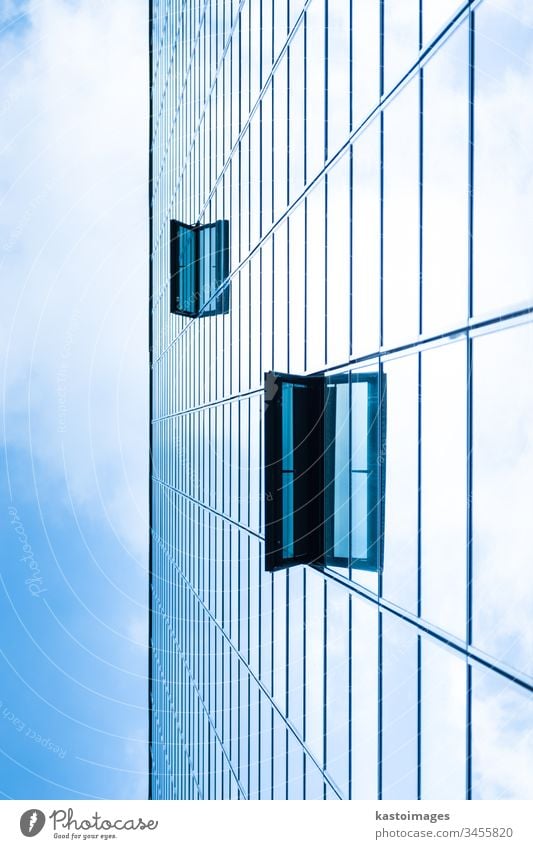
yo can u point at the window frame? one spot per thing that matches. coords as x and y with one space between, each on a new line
313 495
217 301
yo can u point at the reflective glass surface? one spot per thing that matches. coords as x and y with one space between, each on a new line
445 186
444 735
378 237
443 487
502 745
503 196
401 226
502 497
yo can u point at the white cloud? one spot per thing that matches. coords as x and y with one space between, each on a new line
73 253
73 331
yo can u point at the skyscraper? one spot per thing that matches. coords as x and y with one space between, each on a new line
342 404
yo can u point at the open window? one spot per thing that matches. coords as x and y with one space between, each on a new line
324 470
199 267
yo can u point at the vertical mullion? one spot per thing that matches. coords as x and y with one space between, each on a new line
326 79
325 680
350 683
469 405
381 219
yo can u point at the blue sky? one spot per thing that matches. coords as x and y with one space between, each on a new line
73 354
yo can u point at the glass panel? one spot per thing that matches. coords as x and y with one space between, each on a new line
187 265
443 723
295 783
297 289
280 640
316 273
281 298
315 83
337 470
280 24
266 33
266 160
296 116
401 33
366 53
400 709
279 788
337 685
254 764
287 470
364 696
314 628
366 242
502 497
401 483
338 262
293 446
401 218
338 75
296 649
265 746
445 206
502 743
280 160
436 15
443 497
503 177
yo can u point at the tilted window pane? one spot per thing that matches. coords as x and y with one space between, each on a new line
324 499
199 265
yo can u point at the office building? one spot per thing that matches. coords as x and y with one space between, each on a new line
342 402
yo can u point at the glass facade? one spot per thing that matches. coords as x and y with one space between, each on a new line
372 162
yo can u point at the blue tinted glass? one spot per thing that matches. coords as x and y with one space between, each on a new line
366 53
503 199
443 712
296 655
288 470
315 81
443 480
502 496
316 272
364 695
315 663
401 227
338 261
401 34
502 743
337 689
445 186
338 74
436 15
187 264
400 709
337 470
401 483
366 282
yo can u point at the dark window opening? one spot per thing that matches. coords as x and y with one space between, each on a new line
199 267
325 470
